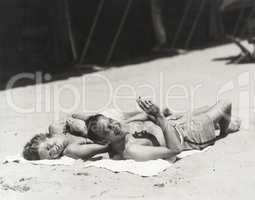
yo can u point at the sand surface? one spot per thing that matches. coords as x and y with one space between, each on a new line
226 171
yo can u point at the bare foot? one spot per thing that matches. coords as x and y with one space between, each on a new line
234 125
224 108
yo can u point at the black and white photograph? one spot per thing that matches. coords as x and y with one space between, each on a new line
127 99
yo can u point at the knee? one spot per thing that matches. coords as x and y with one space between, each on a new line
225 103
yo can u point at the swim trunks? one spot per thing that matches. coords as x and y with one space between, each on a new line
196 133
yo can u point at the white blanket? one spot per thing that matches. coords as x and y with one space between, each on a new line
145 169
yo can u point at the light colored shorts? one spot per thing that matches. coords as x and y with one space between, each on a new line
197 133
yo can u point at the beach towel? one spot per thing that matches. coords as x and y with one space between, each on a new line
144 169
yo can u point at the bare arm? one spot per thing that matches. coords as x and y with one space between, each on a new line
172 140
138 116
144 153
84 151
82 116
128 116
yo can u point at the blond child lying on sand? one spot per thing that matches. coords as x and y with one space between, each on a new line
133 136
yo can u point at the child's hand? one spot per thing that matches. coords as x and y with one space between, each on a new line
151 109
145 134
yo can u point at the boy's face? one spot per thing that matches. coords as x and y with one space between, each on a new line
109 129
52 148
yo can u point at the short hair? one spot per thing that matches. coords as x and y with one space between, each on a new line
30 151
91 124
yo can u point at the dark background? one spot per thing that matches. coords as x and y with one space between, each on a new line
33 33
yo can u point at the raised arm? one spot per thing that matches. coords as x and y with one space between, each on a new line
171 138
128 116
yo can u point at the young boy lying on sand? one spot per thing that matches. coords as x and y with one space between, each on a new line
135 137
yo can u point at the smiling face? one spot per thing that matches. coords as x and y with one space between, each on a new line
106 129
52 148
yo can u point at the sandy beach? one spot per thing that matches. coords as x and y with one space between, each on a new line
226 171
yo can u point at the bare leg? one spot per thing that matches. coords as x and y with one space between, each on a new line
197 111
234 125
201 110
221 114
